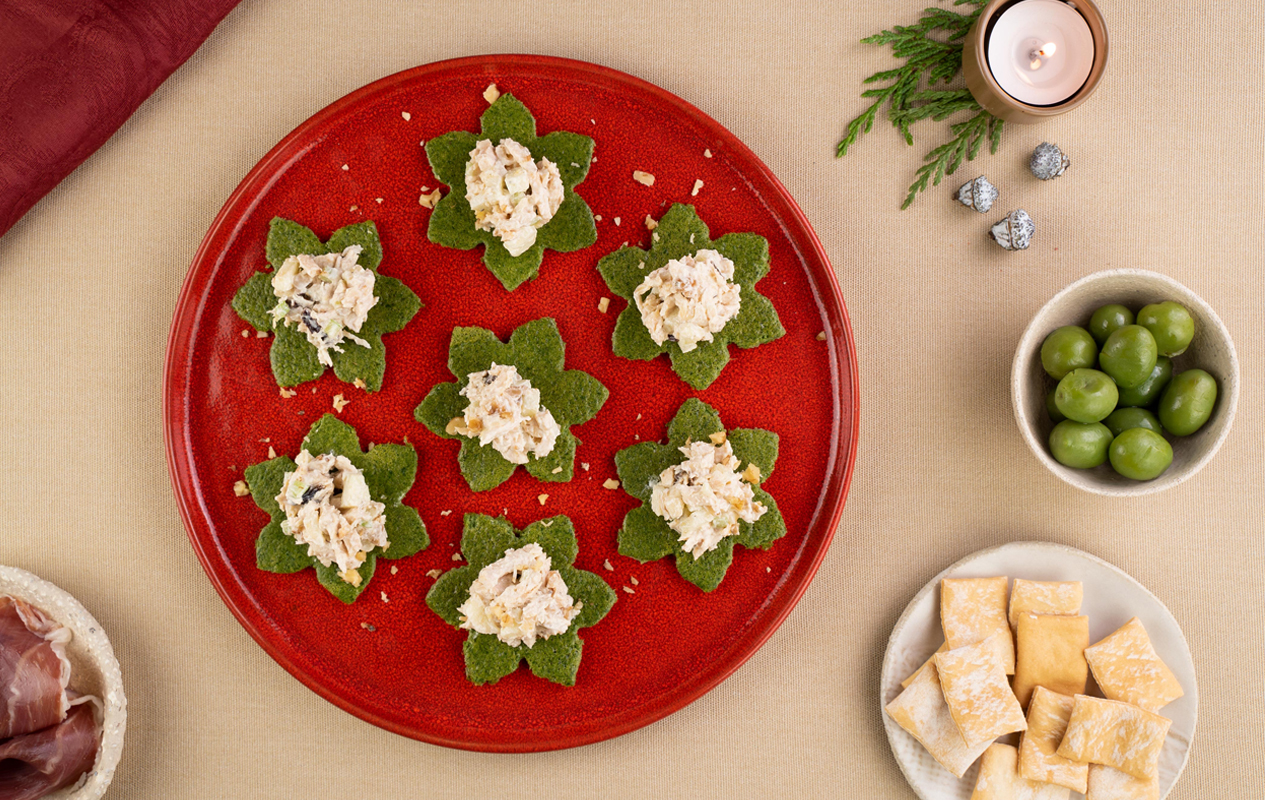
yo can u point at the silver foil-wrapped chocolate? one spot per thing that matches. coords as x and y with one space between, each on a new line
1048 161
1015 231
978 194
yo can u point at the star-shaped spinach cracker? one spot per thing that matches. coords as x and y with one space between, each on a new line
389 471
294 359
536 349
452 223
647 537
681 233
488 659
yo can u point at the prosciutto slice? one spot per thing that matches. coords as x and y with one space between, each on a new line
38 763
34 671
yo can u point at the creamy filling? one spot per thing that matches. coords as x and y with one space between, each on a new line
326 297
511 195
505 411
689 299
703 498
328 508
519 599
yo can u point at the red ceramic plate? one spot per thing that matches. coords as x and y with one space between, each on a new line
387 658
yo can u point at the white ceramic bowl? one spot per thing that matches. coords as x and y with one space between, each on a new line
1211 350
94 670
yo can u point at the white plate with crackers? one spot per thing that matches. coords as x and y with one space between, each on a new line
1109 600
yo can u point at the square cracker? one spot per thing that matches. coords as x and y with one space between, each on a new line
977 692
999 779
1128 669
1106 783
971 609
1047 721
1117 734
1044 597
921 711
1050 652
905 683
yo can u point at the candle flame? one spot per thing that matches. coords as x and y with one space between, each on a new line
1048 49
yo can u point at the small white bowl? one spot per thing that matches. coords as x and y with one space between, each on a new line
1211 350
94 670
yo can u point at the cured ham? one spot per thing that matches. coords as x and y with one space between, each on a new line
35 764
34 671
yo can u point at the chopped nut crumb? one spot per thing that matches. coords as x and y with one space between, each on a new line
271 453
597 217
445 512
592 122
603 304
240 489
456 556
584 465
616 222
407 116
368 627
429 200
313 390
768 569
345 167
644 178
607 564
262 334
245 333
555 470
266 440
359 384
379 199
406 441
593 160
383 595
634 580
232 468
491 93
698 184
546 523
642 265
638 416
610 483
394 569
650 223
628 589
369 447
821 336
751 474
718 438
636 437
340 403
354 208
707 154
654 236
434 573
542 498
453 424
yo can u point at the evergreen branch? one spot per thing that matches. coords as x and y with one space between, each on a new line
932 51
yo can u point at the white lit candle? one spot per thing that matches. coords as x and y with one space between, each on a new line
1040 51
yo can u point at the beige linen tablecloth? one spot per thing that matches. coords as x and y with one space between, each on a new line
1166 174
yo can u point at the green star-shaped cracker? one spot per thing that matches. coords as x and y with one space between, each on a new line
293 357
389 470
646 536
681 233
488 659
452 223
536 349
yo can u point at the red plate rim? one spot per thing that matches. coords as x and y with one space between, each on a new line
179 457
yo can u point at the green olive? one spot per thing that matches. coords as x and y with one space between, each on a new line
1146 393
1140 454
1129 355
1080 445
1107 320
1187 402
1171 325
1052 408
1067 348
1086 395
1122 419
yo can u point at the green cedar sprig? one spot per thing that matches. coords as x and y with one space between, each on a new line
932 49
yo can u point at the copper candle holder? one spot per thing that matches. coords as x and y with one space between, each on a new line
984 87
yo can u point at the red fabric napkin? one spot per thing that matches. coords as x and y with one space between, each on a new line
73 71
